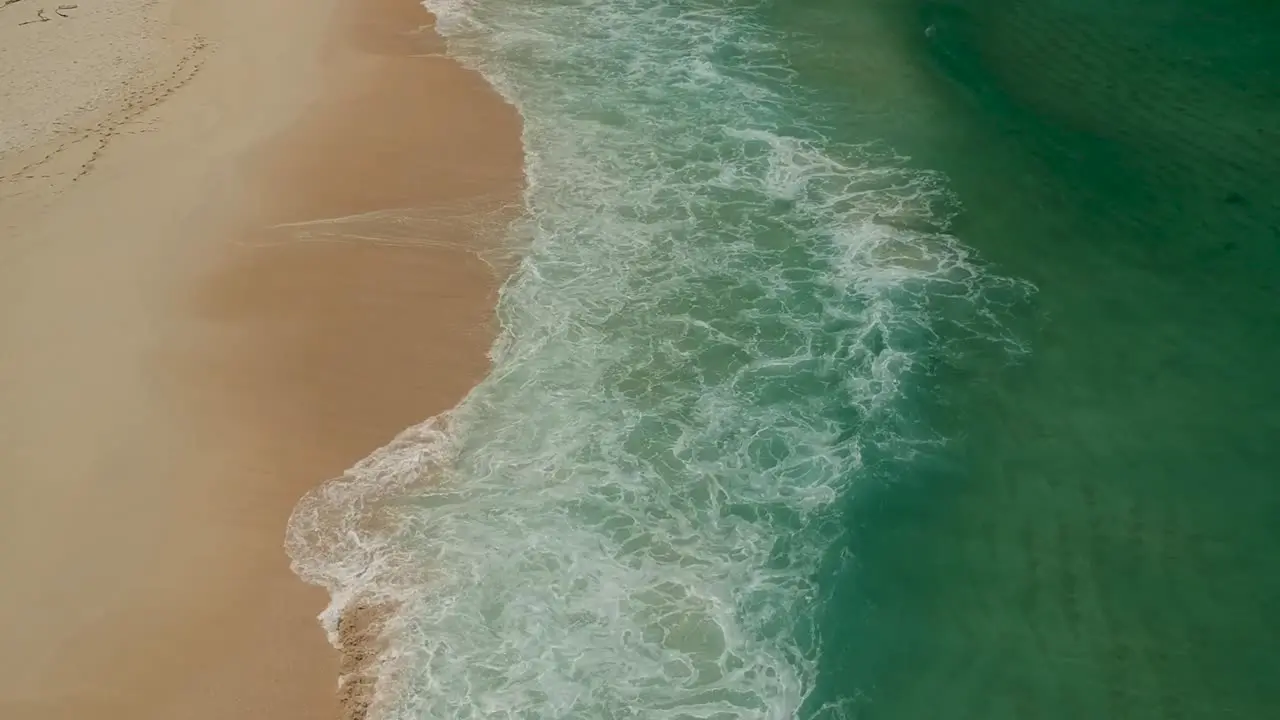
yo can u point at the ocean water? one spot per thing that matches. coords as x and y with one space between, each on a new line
874 359
1098 537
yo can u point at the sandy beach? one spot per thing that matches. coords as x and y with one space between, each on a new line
242 244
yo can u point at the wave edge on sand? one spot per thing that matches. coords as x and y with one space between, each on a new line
711 325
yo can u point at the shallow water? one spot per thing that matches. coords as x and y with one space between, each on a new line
870 359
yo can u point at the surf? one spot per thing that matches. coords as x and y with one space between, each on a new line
717 312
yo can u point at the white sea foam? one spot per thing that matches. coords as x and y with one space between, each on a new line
711 322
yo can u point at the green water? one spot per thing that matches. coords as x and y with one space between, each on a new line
1100 537
875 359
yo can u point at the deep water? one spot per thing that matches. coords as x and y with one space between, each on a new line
875 358
1098 537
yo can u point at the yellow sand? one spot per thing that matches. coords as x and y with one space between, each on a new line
184 350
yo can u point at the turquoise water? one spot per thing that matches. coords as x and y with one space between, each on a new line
867 359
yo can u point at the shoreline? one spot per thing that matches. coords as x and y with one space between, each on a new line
189 344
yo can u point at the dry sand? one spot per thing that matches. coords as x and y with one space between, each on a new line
234 259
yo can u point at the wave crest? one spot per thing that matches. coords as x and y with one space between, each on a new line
713 319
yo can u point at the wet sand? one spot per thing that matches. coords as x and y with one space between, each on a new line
185 349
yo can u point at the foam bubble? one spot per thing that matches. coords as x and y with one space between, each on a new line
711 322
